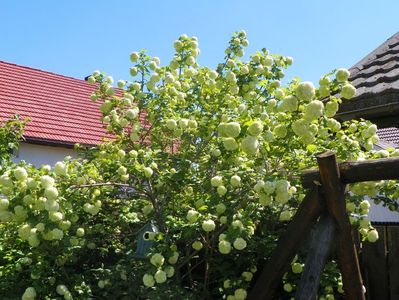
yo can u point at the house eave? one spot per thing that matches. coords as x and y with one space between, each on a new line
53 143
370 107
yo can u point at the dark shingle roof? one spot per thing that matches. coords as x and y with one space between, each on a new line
379 71
376 78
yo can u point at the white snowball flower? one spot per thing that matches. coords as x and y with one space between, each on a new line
239 243
305 91
208 225
342 75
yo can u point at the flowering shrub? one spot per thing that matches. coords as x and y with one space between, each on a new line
10 134
214 168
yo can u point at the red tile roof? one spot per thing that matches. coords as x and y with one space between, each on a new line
59 107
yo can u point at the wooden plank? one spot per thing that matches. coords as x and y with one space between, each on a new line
393 261
374 262
357 171
319 251
288 245
366 277
334 193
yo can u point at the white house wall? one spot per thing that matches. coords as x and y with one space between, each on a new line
42 155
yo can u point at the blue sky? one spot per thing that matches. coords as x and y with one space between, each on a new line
74 37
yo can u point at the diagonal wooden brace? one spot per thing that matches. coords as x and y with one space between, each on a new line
334 194
287 247
319 251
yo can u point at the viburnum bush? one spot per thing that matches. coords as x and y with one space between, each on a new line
203 168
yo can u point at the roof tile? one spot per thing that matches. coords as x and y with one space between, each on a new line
389 134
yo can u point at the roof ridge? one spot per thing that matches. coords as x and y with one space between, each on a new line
40 70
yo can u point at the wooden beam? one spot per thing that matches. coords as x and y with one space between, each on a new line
319 251
288 245
358 171
334 193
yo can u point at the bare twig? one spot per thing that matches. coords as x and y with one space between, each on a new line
81 186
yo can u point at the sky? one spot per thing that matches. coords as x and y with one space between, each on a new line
76 37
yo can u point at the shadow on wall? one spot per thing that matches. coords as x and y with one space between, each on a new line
42 155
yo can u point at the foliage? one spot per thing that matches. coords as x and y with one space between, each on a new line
10 134
210 157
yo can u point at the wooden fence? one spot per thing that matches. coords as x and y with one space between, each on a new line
379 263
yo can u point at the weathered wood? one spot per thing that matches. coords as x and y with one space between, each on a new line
288 245
319 251
393 261
357 241
357 171
374 261
334 194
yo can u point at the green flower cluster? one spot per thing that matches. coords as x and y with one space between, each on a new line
210 157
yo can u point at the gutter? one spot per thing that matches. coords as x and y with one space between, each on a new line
54 143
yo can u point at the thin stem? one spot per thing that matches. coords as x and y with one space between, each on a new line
190 277
80 186
188 258
157 207
207 267
134 189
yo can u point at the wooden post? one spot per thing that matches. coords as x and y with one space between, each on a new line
288 245
334 194
319 251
